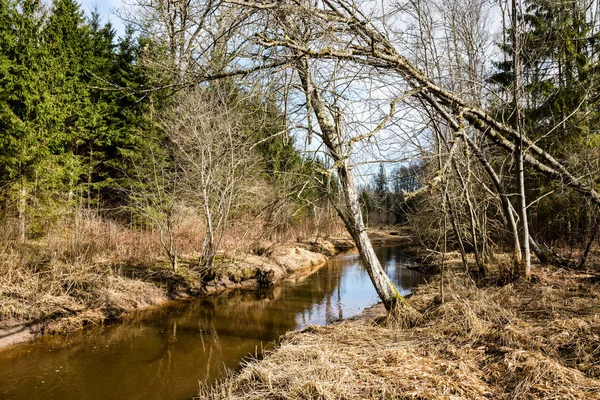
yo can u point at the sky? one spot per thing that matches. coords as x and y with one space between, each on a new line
106 8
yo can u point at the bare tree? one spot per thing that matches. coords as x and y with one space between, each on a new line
335 44
155 195
214 153
188 41
346 33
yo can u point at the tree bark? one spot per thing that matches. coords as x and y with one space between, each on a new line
22 211
208 248
517 98
350 213
354 224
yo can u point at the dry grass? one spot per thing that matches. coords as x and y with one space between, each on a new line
88 269
66 296
520 341
73 276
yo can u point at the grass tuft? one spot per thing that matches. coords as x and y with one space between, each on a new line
518 341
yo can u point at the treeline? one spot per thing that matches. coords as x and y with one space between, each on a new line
385 200
89 122
543 82
62 132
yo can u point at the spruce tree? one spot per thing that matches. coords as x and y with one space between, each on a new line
561 72
28 109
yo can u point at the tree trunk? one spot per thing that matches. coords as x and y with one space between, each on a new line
352 217
588 247
22 211
350 213
208 248
522 206
517 98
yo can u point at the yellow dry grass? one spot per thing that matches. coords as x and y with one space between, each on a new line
89 270
519 341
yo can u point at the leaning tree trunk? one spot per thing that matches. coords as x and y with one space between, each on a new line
350 211
331 135
352 217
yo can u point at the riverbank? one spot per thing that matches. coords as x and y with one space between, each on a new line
527 340
62 297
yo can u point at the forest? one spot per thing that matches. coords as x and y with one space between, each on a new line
142 165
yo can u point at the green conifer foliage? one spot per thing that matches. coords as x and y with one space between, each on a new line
561 74
31 162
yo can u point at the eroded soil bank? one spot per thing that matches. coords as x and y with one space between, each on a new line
526 340
167 350
104 292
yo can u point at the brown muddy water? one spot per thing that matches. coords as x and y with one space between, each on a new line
164 352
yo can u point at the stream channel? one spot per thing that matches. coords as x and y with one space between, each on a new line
165 351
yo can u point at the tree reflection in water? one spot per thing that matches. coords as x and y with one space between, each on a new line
163 352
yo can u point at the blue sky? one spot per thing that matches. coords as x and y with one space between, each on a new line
106 9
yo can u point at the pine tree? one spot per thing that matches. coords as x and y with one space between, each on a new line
560 70
66 37
381 182
382 192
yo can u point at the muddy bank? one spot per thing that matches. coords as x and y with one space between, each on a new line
401 236
528 340
15 332
101 293
70 297
269 268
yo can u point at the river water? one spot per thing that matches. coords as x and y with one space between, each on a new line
164 352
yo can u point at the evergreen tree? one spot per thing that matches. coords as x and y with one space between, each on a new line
380 182
561 74
28 145
382 193
66 37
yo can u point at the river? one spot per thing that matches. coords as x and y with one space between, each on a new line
164 352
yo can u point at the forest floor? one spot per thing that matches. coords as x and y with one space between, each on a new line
43 293
487 340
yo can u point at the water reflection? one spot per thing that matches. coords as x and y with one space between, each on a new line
164 352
